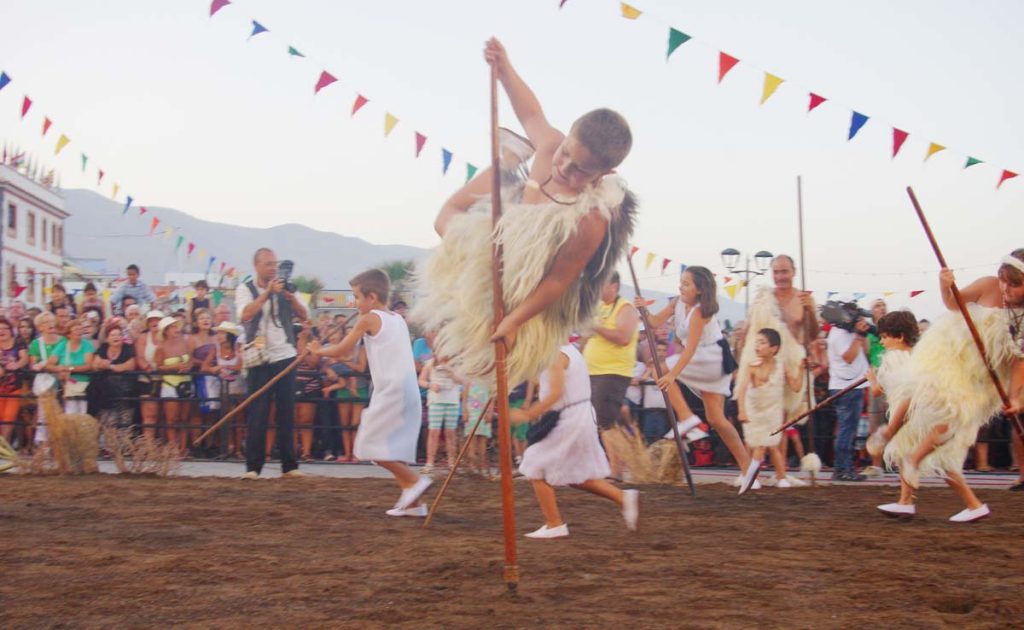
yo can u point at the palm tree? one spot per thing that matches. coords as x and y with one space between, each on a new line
399 273
310 284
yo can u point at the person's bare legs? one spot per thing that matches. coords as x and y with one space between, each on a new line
150 411
601 488
404 476
548 504
778 462
304 415
955 480
1017 450
433 437
450 445
981 457
714 408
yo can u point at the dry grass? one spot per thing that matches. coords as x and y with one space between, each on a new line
139 455
655 464
73 440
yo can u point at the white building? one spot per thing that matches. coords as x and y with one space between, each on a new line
32 234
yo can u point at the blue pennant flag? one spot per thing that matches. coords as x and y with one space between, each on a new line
856 122
257 28
682 268
127 204
4 80
859 296
446 158
830 294
209 264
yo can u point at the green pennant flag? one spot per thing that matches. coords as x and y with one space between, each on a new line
470 171
181 239
218 297
294 53
85 159
972 161
676 39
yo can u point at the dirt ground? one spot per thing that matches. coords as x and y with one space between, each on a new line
114 551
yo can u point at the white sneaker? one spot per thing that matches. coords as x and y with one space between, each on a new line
295 473
795 482
872 471
756 485
418 511
250 475
631 508
684 427
749 477
898 510
550 532
969 516
415 491
783 483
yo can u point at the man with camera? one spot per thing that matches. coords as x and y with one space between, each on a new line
847 362
267 308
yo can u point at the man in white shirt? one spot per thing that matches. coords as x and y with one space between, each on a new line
847 363
267 311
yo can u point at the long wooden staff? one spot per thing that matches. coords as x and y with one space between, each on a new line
963 311
500 352
828 401
653 347
809 332
458 460
259 392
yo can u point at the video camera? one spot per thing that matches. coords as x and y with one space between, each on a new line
284 272
845 315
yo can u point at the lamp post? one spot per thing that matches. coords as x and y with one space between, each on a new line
763 260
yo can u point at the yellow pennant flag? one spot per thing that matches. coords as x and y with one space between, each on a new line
933 149
650 259
731 290
744 283
630 12
202 253
113 195
888 293
168 232
771 83
61 143
389 123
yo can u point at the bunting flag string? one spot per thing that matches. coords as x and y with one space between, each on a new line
771 83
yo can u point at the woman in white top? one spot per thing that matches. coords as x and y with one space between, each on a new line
149 387
699 366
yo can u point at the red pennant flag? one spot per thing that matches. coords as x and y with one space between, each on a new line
664 264
725 64
153 224
326 78
915 293
728 279
898 138
222 266
633 250
18 290
100 177
25 105
1005 176
217 5
561 3
360 101
815 101
142 211
191 246
46 125
420 141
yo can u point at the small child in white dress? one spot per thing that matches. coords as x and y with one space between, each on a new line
571 454
390 426
760 398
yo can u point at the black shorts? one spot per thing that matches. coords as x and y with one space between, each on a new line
607 393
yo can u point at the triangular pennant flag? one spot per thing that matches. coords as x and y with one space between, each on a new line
167 232
25 105
446 160
470 171
1005 176
725 64
744 283
326 78
142 211
4 80
914 294
202 253
294 52
99 177
971 161
62 142
632 250
360 101
676 38
816 100
217 5
181 239
222 263
209 263
650 259
933 148
113 195
191 246
771 83
682 268
731 291
257 28
898 138
389 123
857 121
561 3
828 296
629 12
420 141
728 279
152 226
127 204
46 124
664 264
888 293
859 296
85 159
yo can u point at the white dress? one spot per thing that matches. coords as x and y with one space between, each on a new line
765 411
390 426
704 371
572 452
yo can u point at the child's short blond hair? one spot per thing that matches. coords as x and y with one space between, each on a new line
605 133
373 281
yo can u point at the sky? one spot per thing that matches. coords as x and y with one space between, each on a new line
184 111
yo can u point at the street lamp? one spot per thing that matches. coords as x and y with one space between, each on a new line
763 260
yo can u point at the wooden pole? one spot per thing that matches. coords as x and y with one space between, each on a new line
852 386
458 460
511 573
653 347
810 334
963 310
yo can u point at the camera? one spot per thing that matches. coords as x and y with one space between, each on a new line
845 315
284 272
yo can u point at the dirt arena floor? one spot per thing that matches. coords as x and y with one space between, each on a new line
114 551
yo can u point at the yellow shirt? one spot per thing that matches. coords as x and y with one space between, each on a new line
605 357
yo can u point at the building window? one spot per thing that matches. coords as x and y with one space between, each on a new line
53 238
31 240
43 234
60 240
12 280
12 220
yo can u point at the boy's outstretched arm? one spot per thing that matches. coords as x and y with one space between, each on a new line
524 101
567 266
